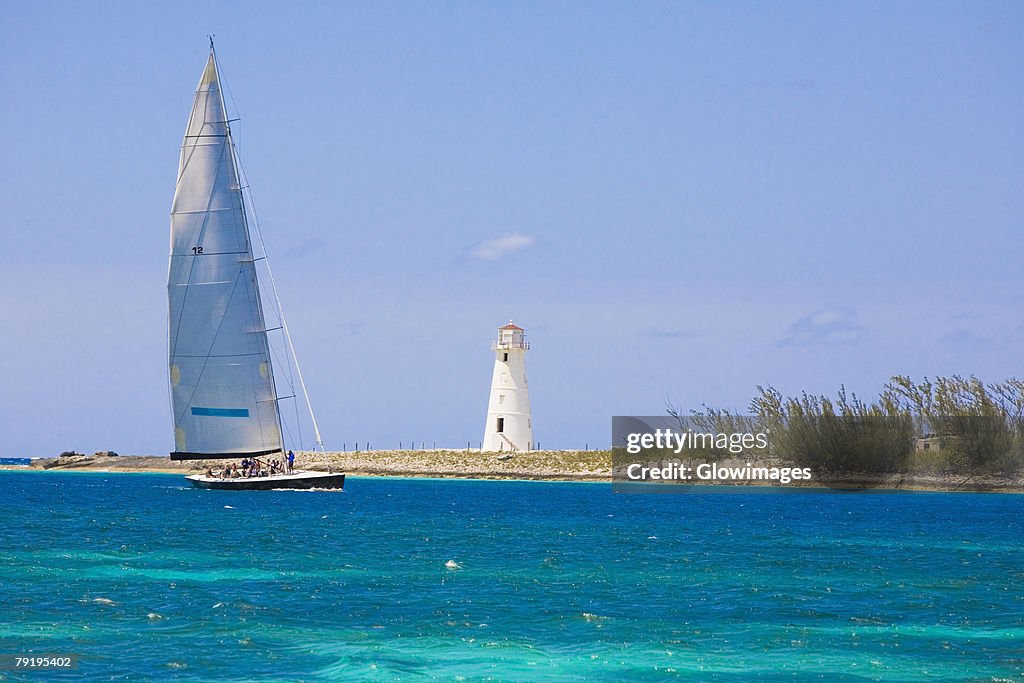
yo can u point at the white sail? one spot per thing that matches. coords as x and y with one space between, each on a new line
222 383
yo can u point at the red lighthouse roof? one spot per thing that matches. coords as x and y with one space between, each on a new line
510 326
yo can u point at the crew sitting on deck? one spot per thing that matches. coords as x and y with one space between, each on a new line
252 467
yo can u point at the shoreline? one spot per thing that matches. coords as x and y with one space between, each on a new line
553 466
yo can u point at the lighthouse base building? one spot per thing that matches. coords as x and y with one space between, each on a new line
509 425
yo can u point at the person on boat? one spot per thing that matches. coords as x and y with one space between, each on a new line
291 462
209 472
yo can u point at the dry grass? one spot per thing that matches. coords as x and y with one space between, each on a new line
590 465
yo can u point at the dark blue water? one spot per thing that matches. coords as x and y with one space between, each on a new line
400 579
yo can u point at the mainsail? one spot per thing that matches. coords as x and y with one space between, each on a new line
222 382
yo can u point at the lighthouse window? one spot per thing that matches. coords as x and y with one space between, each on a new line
504 357
501 424
501 399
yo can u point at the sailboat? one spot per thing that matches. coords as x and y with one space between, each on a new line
223 392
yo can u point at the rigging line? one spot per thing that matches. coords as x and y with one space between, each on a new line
288 367
185 213
295 407
298 424
279 398
286 425
231 96
215 253
280 309
235 141
291 385
218 355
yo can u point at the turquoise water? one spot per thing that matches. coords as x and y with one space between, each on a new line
401 579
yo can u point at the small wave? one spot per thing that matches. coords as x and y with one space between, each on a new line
312 490
452 564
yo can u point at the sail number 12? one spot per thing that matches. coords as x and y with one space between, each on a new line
197 250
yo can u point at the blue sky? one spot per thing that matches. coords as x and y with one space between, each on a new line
679 201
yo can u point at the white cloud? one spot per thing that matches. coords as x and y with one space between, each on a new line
669 334
507 243
829 325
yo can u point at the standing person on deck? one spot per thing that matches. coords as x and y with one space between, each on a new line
291 462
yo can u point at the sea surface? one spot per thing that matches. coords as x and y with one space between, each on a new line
16 461
145 578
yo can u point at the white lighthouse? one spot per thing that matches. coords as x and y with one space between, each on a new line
508 425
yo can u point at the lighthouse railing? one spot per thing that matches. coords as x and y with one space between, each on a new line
499 345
